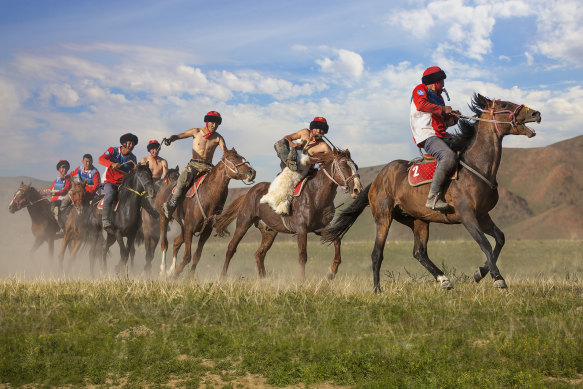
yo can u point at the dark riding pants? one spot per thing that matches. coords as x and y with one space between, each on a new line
446 161
110 197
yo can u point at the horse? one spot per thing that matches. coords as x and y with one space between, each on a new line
312 211
200 210
150 228
44 226
77 229
472 195
126 219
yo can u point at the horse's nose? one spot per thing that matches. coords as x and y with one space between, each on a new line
251 174
537 116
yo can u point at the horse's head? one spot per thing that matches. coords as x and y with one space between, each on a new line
342 170
24 196
143 180
237 167
79 196
172 175
510 118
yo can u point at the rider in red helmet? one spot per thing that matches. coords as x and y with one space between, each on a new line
157 164
430 118
59 188
204 142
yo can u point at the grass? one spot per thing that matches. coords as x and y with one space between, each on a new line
126 332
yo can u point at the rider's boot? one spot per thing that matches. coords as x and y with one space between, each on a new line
106 218
170 206
435 202
434 199
292 158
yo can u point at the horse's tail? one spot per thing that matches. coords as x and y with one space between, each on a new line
346 218
223 220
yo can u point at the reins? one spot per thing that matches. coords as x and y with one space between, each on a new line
512 115
335 165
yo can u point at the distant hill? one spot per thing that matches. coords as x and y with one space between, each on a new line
540 191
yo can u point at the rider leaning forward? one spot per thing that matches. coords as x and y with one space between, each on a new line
119 161
204 142
309 141
430 118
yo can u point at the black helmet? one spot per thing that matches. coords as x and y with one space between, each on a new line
63 162
128 137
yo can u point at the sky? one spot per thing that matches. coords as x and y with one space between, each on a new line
76 75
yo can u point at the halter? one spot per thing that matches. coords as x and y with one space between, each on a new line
235 169
336 165
511 114
141 194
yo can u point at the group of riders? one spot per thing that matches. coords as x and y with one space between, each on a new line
429 118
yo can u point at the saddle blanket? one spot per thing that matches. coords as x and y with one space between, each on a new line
100 205
422 173
194 187
300 186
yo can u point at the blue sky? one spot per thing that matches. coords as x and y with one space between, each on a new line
75 75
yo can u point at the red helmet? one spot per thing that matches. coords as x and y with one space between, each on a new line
153 144
432 75
213 116
319 122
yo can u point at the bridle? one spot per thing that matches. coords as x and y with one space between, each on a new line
336 166
233 167
24 201
511 115
141 182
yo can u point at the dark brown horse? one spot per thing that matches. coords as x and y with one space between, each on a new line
44 225
312 211
472 196
78 229
199 211
150 229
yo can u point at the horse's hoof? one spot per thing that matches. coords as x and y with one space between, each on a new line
477 276
445 282
330 275
500 284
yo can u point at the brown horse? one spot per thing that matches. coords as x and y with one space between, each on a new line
312 211
150 229
199 211
472 196
78 229
44 225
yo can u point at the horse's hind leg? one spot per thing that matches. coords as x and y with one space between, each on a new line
491 229
37 242
64 246
243 224
178 241
107 243
421 235
163 243
337 260
383 217
267 238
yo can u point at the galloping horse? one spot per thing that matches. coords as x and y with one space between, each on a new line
135 185
150 225
200 210
312 211
78 230
473 195
44 225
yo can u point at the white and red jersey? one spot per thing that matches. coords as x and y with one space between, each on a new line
90 177
427 118
62 186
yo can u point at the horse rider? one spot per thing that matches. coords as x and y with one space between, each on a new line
204 142
310 141
119 161
158 165
86 173
59 188
430 118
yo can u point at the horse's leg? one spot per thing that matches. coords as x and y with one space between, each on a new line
337 260
51 243
132 254
243 224
150 243
37 242
471 223
109 240
491 229
302 238
178 241
64 246
123 253
421 235
186 238
163 244
76 245
204 235
382 215
267 238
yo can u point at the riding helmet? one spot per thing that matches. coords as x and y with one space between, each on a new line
320 123
153 144
432 75
213 116
128 137
63 162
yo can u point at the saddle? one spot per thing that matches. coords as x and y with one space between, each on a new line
300 186
421 170
192 189
99 201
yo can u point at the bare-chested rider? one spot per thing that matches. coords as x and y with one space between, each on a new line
205 141
157 164
309 141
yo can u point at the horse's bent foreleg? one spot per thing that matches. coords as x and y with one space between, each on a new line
470 222
487 224
204 235
421 235
267 238
302 238
337 260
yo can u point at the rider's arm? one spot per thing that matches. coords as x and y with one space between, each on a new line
164 168
185 134
295 136
104 159
96 181
65 189
423 104
222 144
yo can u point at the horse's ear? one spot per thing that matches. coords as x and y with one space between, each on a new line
177 168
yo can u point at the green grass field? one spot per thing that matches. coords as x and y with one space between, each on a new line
128 331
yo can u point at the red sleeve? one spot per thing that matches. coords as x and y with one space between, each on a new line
51 187
422 103
64 191
96 182
104 159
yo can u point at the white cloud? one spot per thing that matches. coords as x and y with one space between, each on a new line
346 63
529 58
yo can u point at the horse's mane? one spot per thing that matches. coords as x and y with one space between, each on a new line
465 135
